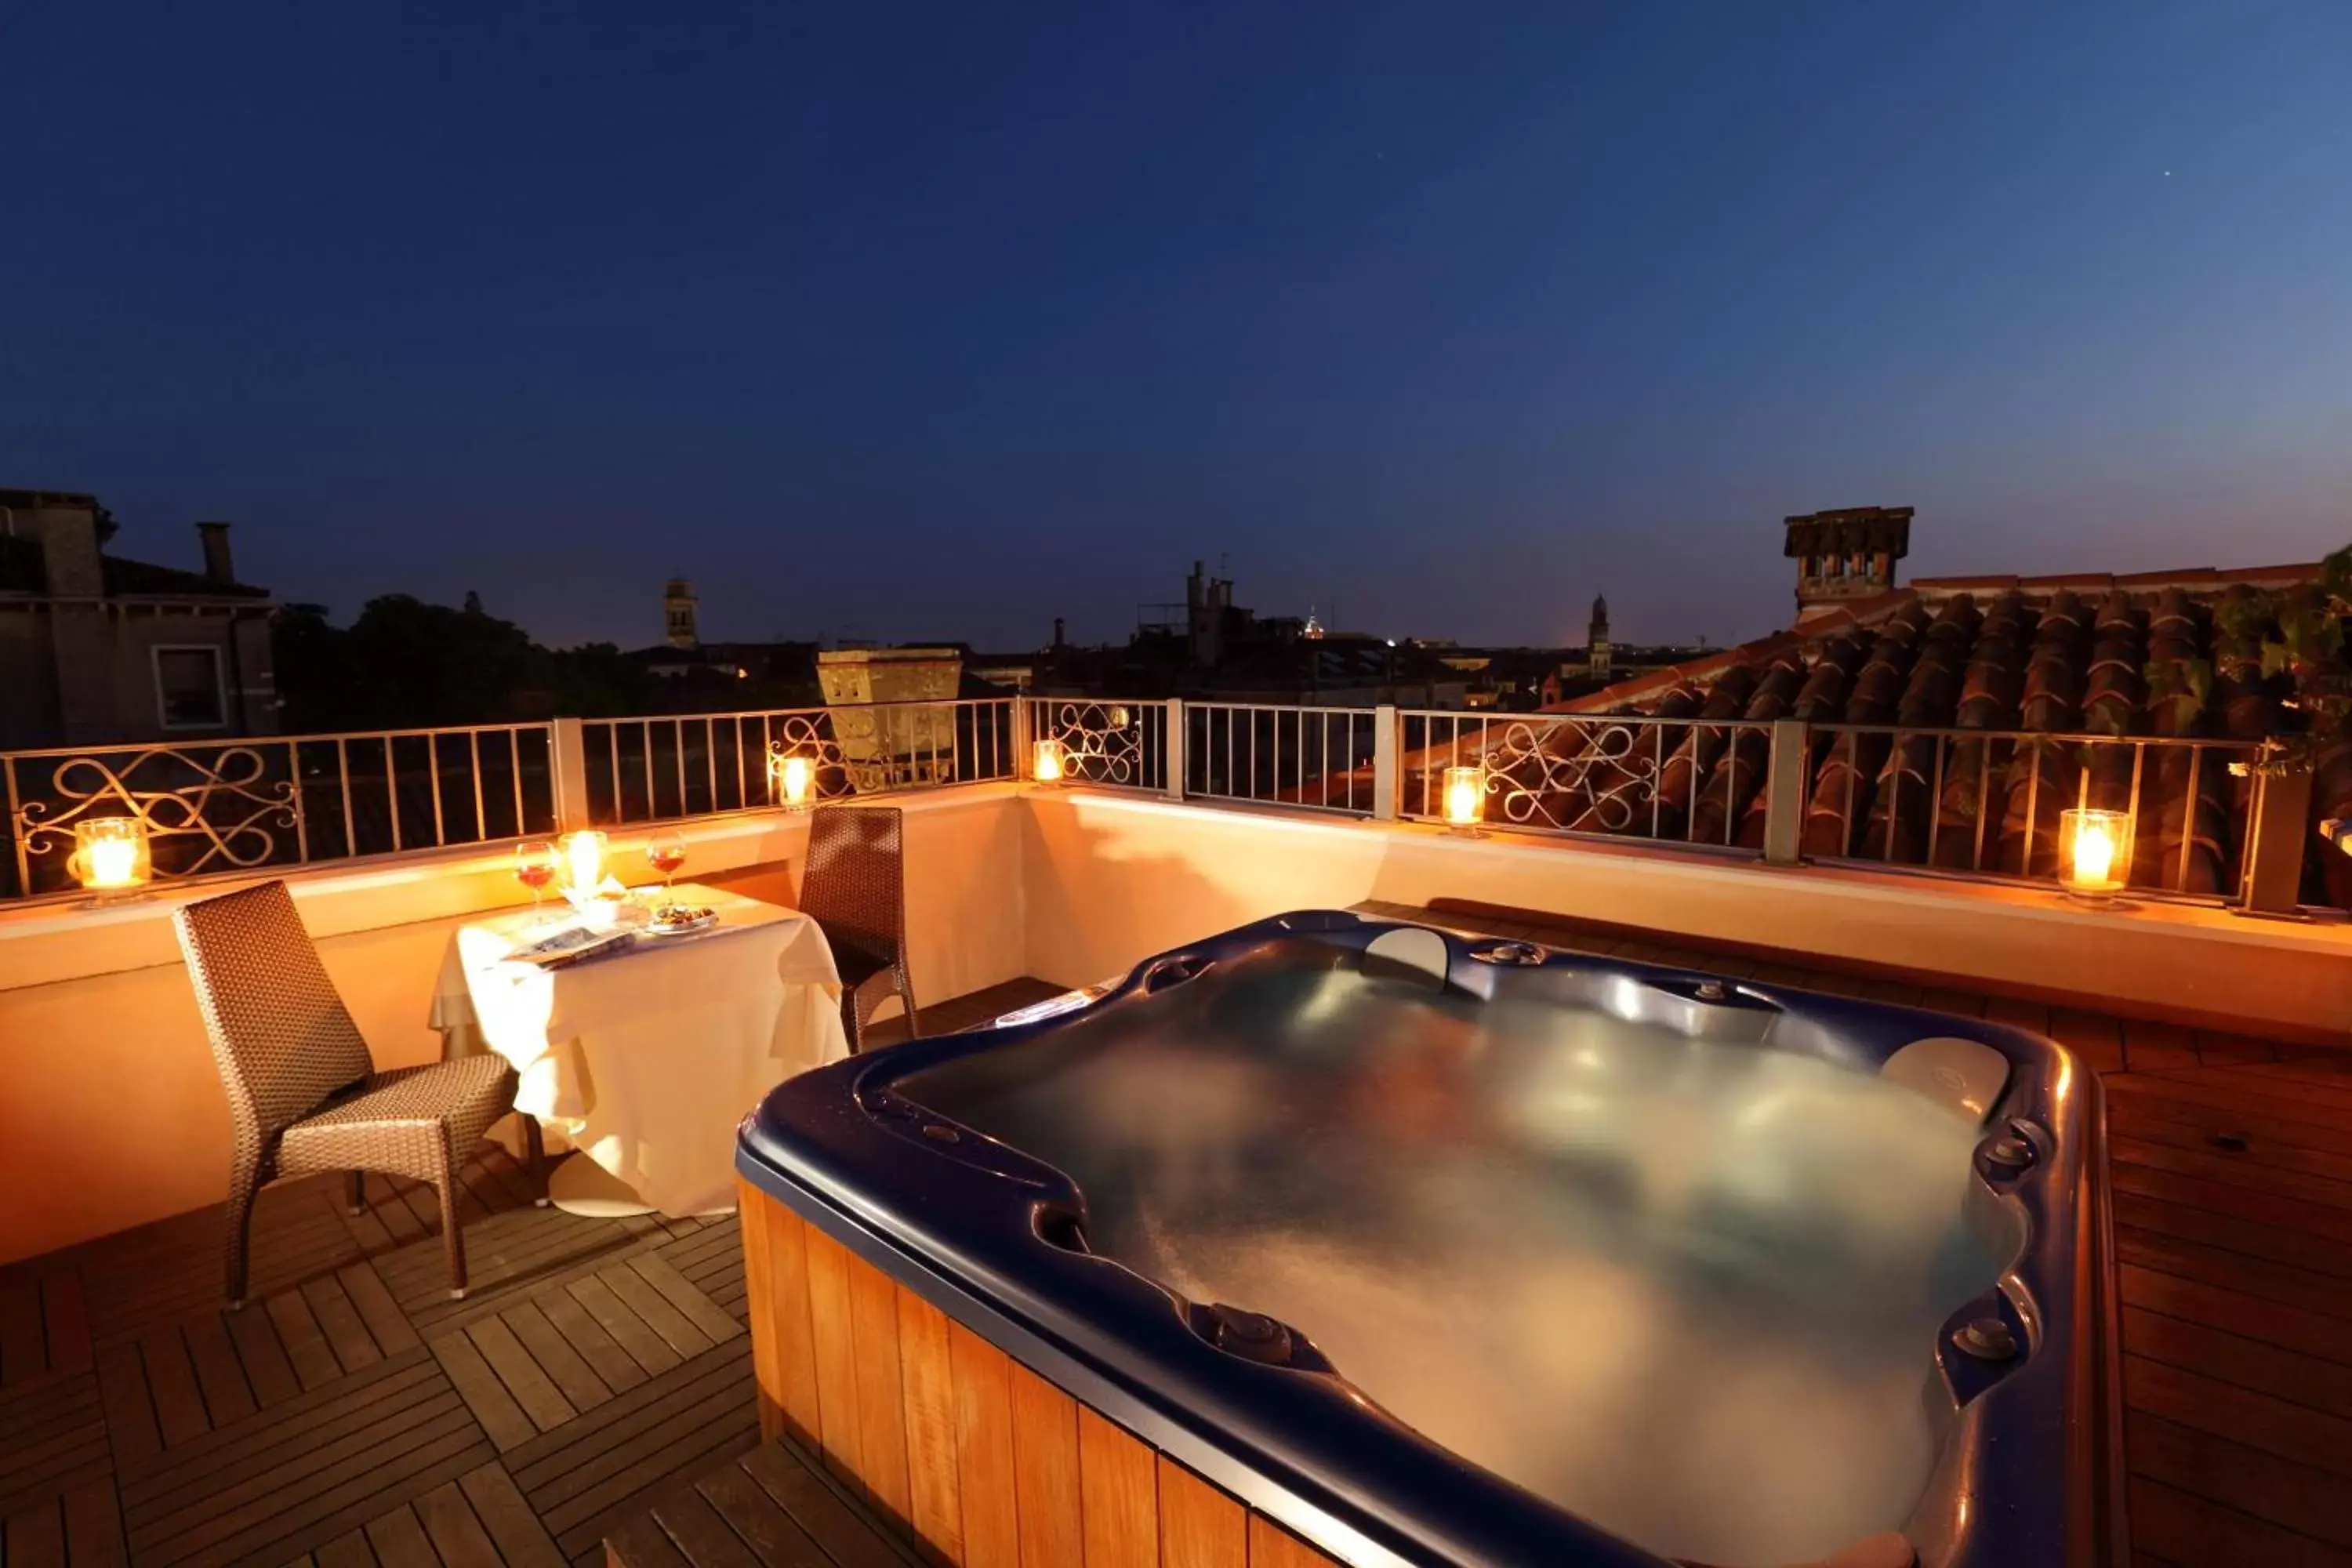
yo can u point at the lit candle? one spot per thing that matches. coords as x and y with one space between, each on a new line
1048 767
794 775
584 852
113 853
2098 846
1465 796
2094 852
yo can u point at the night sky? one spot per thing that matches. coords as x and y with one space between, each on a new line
934 321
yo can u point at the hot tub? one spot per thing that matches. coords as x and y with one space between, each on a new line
1337 1234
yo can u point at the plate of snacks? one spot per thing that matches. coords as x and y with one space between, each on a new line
676 919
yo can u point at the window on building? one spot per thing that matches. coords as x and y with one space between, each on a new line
188 694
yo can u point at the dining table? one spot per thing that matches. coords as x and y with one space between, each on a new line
645 1054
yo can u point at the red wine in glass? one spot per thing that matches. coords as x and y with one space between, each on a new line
667 852
535 863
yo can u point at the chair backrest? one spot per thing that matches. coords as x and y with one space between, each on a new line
855 885
281 1036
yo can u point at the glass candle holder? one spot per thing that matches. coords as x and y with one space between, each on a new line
1045 765
1465 797
110 856
2095 850
583 859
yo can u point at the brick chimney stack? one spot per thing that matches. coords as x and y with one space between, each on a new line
1845 555
218 565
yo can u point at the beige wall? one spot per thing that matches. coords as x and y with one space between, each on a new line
111 1113
1112 879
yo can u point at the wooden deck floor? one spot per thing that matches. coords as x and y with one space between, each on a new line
597 1381
354 1414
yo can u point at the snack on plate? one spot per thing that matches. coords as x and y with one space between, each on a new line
673 916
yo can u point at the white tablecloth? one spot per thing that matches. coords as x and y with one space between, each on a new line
647 1059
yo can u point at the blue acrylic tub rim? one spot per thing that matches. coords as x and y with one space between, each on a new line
969 1224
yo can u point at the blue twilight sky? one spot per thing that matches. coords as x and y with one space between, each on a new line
940 319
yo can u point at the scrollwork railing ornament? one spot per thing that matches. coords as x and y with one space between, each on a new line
228 816
1576 775
1101 742
810 736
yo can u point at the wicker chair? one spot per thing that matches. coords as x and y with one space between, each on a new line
855 891
302 1088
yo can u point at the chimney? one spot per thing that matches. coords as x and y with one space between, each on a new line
69 558
1058 640
218 567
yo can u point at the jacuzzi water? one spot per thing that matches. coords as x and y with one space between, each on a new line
1689 1290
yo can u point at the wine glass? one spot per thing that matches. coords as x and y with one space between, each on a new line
666 851
536 863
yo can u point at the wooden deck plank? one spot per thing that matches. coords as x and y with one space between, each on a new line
675 1329
631 1333
847 1535
386 1325
614 1367
504 1419
399 1540
172 1380
579 1384
708 1541
2274 1427
267 1371
295 1469
276 1456
219 1373
2200 1534
455 1533
522 1542
93 1521
2284 1492
339 1322
688 1302
773 1536
305 1344
531 1386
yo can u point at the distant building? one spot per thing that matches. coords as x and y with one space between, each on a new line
678 603
97 648
1597 651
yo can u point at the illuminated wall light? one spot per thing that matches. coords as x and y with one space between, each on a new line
1046 765
583 855
1465 798
2094 852
111 853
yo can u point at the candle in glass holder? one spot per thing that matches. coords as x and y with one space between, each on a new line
795 775
109 853
1465 797
1047 765
584 854
2094 851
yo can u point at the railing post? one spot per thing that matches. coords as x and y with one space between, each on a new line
1384 762
1172 746
2274 842
1784 792
1023 732
568 766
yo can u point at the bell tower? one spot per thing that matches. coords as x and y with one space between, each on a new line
1846 555
677 608
1597 651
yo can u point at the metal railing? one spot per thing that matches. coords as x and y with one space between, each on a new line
661 767
267 802
1101 741
1317 758
1986 802
1971 803
1683 781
